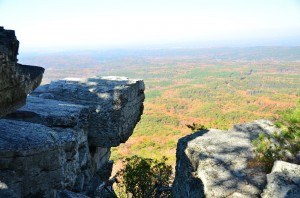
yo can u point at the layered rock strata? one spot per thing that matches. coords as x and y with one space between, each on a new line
63 143
16 80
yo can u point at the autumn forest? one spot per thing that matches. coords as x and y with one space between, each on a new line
213 87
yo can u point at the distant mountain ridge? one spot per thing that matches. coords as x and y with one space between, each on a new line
214 53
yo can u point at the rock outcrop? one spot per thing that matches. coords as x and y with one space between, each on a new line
64 142
215 163
58 144
16 80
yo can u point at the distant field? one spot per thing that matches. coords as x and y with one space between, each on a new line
214 87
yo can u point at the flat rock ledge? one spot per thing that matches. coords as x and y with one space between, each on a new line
16 80
215 163
58 144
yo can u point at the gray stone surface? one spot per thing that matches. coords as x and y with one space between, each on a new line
283 181
50 137
116 104
44 146
52 113
16 80
30 156
7 193
69 194
214 163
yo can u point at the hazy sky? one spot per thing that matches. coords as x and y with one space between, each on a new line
43 24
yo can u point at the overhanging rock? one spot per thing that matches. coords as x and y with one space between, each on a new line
45 145
116 104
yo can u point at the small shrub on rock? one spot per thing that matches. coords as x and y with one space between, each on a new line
283 145
144 177
196 127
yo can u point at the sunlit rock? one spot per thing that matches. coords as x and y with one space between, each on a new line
116 104
216 163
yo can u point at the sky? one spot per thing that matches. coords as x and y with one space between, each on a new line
83 24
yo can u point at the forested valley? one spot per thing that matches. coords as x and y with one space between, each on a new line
213 87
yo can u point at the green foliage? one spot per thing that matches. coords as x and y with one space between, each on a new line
152 94
196 93
163 83
266 152
204 73
141 175
196 127
156 123
197 73
282 145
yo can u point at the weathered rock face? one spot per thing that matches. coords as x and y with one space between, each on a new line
283 181
214 163
116 104
64 143
16 80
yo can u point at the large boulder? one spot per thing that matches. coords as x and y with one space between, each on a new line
215 163
16 80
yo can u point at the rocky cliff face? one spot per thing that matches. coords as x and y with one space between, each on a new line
215 163
16 80
58 144
64 142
